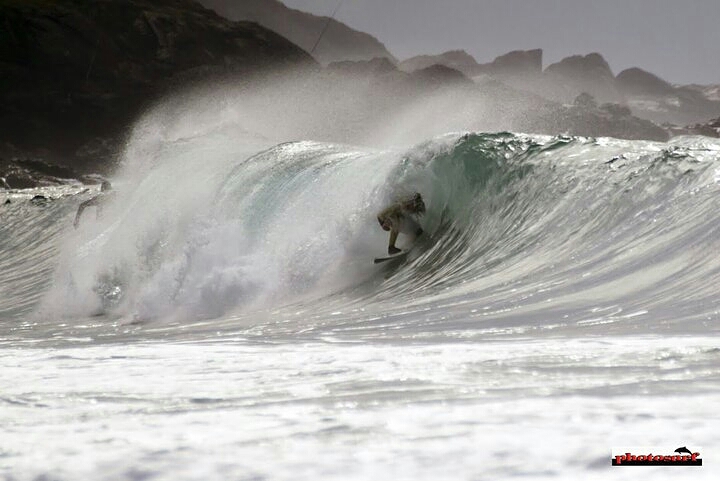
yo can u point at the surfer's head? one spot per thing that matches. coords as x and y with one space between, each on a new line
105 186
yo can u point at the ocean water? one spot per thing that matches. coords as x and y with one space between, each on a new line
223 319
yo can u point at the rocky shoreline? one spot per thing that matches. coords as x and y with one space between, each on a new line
75 76
26 173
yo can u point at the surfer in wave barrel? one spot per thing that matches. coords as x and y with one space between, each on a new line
399 217
97 201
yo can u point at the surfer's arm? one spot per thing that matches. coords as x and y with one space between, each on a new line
80 210
82 207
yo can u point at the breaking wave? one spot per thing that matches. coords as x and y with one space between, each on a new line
521 231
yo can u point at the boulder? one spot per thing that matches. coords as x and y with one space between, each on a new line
635 81
458 60
439 76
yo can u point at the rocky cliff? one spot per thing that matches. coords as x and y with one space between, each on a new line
446 99
339 42
648 96
525 63
577 74
636 81
74 74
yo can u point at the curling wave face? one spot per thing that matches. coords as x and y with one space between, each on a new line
523 233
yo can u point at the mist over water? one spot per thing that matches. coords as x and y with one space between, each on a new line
240 199
565 288
234 200
214 210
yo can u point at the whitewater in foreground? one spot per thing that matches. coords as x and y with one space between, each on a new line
223 318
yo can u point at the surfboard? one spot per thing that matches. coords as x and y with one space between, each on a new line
399 255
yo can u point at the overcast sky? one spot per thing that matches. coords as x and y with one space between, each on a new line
678 40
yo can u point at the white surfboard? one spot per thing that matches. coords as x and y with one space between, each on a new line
399 255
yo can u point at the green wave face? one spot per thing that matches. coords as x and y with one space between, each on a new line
596 222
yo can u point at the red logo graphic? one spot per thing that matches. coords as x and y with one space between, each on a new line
681 457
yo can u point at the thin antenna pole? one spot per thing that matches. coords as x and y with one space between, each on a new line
92 61
327 24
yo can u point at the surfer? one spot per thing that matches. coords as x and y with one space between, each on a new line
399 218
97 201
